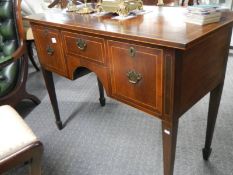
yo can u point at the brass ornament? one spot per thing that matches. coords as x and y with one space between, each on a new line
121 7
71 7
85 9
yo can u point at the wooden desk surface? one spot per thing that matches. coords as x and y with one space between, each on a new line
162 25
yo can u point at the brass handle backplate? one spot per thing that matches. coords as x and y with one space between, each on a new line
46 32
81 44
49 50
133 76
132 51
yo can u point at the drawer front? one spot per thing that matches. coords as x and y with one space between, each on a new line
90 48
136 73
48 42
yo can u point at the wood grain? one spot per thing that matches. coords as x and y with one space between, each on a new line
163 26
43 40
147 93
93 51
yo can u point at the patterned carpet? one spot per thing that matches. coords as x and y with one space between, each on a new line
119 140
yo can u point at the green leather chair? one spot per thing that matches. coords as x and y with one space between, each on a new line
13 55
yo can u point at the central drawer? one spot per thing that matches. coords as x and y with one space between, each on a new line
88 47
136 75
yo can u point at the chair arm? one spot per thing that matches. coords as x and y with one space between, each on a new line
20 51
15 56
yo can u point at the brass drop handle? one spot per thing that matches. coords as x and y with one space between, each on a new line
133 76
49 50
132 51
81 44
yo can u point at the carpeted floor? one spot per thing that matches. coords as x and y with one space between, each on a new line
119 140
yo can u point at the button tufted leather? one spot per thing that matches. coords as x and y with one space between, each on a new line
8 44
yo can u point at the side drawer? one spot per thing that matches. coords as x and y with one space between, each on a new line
137 75
48 44
88 47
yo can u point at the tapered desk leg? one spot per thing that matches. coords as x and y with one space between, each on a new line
30 54
101 91
169 134
215 97
48 77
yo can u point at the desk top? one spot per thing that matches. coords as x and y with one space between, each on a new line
163 26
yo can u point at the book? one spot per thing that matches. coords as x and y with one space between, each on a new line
203 16
203 7
202 12
203 21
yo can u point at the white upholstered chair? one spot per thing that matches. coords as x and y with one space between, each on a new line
18 144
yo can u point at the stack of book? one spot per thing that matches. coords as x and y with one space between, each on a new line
203 14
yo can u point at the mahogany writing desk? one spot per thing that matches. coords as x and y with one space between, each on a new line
154 62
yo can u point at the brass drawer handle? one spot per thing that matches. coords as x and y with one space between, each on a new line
132 51
81 44
46 32
133 76
49 50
